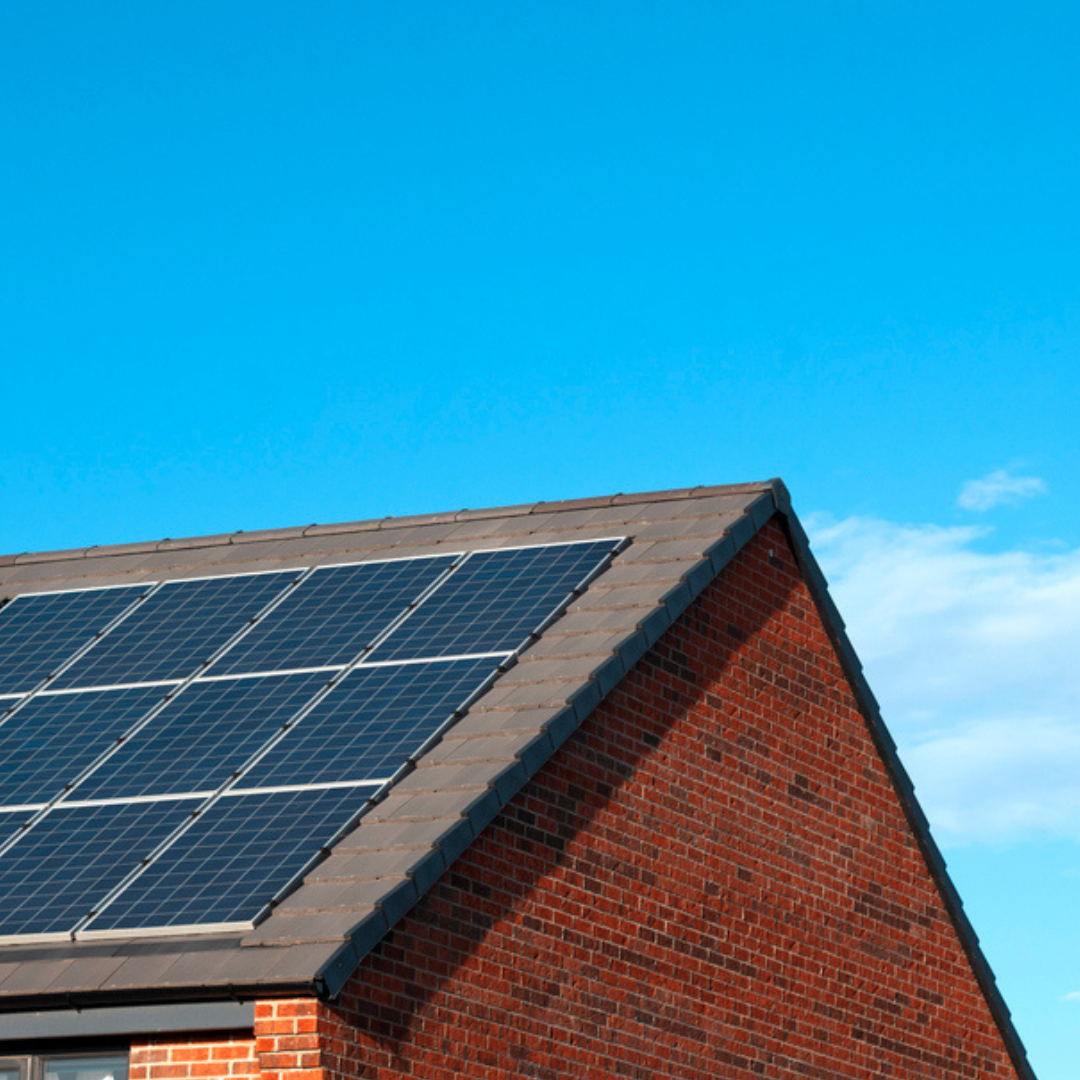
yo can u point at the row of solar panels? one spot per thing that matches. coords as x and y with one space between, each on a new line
192 716
321 618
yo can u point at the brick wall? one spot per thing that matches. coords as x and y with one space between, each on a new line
712 878
211 1055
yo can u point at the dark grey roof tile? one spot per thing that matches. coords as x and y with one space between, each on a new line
84 973
351 865
502 747
485 513
299 928
582 619
533 669
483 721
478 806
200 968
624 572
196 542
409 520
142 970
677 528
300 963
33 977
259 536
709 506
51 556
449 776
528 695
315 897
570 505
644 595
472 534
654 496
377 836
337 528
689 549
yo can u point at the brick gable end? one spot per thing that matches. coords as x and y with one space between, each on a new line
713 878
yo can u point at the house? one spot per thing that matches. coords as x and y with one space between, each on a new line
665 834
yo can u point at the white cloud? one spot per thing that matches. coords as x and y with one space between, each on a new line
972 656
997 488
1073 996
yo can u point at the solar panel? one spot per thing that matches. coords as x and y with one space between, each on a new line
198 740
239 853
494 601
272 747
73 857
39 632
333 615
367 727
53 737
181 625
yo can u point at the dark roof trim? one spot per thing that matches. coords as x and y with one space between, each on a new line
132 1020
868 705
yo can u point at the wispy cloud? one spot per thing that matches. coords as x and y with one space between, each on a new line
1074 996
997 488
972 656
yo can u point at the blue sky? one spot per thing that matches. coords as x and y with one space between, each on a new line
272 263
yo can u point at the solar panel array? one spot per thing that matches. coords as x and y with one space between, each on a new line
177 754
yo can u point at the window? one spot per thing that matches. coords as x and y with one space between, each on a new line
65 1067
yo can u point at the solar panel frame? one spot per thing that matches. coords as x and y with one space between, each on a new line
122 657
214 727
307 630
442 626
55 872
274 853
371 723
89 723
57 658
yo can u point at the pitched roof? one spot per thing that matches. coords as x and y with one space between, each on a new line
312 941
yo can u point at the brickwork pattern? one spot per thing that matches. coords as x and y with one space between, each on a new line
194 1058
713 878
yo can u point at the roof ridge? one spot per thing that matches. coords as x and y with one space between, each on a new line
95 551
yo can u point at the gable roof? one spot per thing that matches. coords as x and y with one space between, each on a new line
678 541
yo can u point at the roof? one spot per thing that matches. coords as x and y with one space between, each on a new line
679 541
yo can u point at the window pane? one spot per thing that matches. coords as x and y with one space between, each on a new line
114 1067
7 1073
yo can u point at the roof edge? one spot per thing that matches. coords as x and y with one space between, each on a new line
935 861
98 551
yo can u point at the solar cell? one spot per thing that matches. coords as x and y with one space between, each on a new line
176 629
368 726
333 615
53 737
239 853
39 632
198 740
10 820
494 601
73 856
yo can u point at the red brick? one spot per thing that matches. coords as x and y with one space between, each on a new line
713 878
